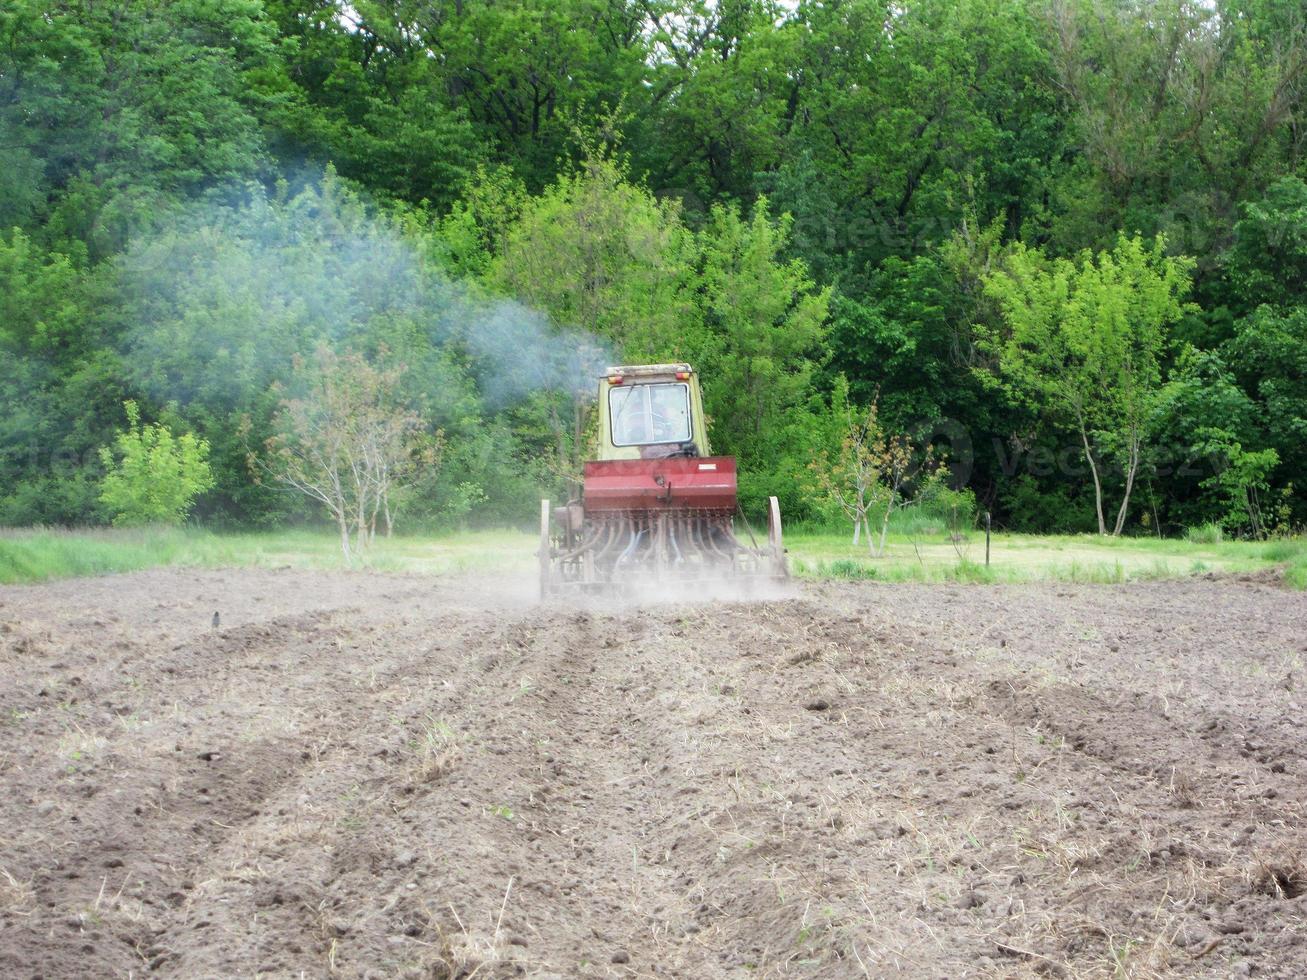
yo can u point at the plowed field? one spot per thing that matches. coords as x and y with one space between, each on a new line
365 775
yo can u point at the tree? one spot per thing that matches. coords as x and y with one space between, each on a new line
363 94
767 320
1240 478
597 251
61 390
1202 415
344 439
211 313
153 476
119 109
868 475
1266 350
517 75
1268 261
399 458
531 189
1084 339
903 116
723 94
472 233
1268 354
611 268
1177 109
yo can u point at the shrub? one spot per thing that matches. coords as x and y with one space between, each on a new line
846 568
1209 533
153 476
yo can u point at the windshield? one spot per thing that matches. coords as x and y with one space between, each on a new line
643 415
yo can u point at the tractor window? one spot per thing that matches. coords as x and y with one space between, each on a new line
643 415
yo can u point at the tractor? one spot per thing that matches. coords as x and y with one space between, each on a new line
657 508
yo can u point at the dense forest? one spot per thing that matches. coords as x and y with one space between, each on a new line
1062 242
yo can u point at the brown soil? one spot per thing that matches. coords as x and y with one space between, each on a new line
385 775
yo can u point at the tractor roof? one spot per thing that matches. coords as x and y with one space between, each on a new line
644 370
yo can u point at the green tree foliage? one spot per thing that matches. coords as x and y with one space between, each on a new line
1268 262
344 438
152 476
1179 108
61 392
1269 355
195 193
409 97
360 91
213 314
1203 417
472 232
598 251
724 96
527 72
865 478
112 111
1242 479
39 309
909 114
1085 338
1267 348
767 320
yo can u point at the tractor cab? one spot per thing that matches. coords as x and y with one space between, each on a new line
652 411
